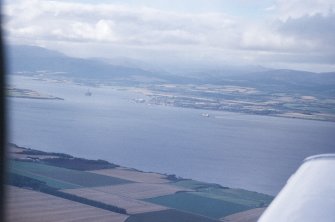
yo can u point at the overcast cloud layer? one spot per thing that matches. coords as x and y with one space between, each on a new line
296 34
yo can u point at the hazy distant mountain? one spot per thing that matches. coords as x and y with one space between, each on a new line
133 63
280 80
32 59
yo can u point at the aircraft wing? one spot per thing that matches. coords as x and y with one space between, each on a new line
308 196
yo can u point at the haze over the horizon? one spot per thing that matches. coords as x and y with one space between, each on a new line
295 34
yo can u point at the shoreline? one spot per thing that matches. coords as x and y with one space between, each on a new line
298 116
170 98
28 94
126 191
29 154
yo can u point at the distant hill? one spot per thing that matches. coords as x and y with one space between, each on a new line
24 58
246 89
272 80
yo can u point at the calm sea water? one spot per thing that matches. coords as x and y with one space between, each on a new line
246 151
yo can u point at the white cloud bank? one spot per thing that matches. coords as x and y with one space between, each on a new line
291 32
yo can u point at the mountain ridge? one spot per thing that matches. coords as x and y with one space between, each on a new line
23 58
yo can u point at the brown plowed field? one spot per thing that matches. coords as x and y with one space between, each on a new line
131 205
31 206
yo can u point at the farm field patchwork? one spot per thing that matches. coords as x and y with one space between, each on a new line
143 197
142 190
26 205
131 205
58 184
169 216
197 204
238 196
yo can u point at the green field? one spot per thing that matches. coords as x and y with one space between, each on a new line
168 216
58 184
197 204
238 196
60 177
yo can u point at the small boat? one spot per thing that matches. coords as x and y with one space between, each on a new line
205 114
88 93
139 100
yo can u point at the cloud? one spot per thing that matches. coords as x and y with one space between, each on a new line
302 29
318 29
298 8
296 27
110 23
261 38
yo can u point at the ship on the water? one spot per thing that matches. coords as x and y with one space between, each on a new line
205 114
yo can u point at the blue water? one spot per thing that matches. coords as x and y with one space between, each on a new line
246 151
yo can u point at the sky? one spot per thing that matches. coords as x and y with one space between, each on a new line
289 34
